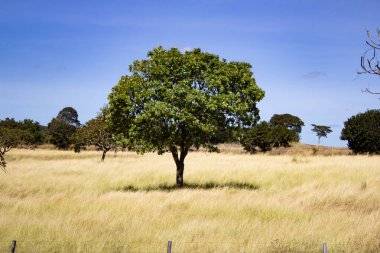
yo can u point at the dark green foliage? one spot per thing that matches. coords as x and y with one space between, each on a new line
292 123
321 131
62 127
283 137
260 136
33 132
227 134
60 133
266 136
70 116
173 101
10 123
362 131
77 139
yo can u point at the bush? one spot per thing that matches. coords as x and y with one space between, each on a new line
266 136
260 136
362 132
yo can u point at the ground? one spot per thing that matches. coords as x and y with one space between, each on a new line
59 201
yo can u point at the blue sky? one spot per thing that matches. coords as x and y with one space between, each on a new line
305 53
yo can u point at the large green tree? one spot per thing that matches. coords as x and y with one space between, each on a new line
362 131
172 101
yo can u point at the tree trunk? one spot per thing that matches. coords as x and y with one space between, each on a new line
104 155
179 176
180 163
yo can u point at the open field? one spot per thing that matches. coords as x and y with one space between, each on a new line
56 201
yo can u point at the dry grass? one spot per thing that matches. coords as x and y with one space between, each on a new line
56 201
294 150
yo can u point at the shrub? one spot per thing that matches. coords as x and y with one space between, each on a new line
260 136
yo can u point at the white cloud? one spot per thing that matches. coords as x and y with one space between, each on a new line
314 75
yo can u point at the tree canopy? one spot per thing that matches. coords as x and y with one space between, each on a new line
362 131
173 101
63 126
70 116
321 131
260 136
32 132
96 132
291 122
267 136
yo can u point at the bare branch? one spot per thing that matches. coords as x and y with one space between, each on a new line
370 92
371 64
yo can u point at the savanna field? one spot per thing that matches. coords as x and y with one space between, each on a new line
59 201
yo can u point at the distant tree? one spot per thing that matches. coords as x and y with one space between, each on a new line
362 131
63 126
9 138
369 61
293 123
60 133
70 116
78 140
97 132
173 101
321 131
260 136
32 132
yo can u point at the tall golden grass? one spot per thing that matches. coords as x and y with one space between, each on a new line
56 201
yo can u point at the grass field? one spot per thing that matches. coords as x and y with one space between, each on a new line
56 201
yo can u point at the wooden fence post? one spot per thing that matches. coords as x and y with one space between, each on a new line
169 246
324 248
13 248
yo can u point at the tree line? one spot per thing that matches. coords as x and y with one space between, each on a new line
174 101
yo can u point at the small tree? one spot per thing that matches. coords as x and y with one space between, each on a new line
292 123
260 136
173 101
9 138
97 132
321 131
63 126
362 131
